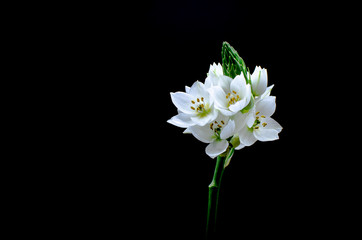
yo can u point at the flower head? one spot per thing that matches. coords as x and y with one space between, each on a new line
195 106
263 127
216 134
259 81
214 75
231 95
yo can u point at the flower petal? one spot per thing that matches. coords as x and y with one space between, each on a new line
250 118
266 106
272 124
236 107
246 136
203 134
182 101
215 148
181 120
219 97
198 90
240 120
224 83
228 130
259 80
264 135
187 89
238 85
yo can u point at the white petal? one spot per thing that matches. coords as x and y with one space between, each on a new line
226 112
208 82
214 149
259 80
182 101
240 120
263 134
250 119
266 106
187 131
198 90
238 85
265 94
187 89
202 121
246 137
236 107
181 120
272 124
228 130
203 134
224 83
219 97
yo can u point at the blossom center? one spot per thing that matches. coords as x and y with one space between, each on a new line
216 128
259 121
233 97
200 107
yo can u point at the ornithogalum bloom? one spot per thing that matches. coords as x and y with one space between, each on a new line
214 75
216 134
195 106
259 81
231 95
263 128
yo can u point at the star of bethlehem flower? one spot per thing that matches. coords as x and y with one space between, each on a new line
262 127
226 112
215 134
195 106
231 95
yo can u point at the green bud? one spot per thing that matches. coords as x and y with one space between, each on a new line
235 141
232 63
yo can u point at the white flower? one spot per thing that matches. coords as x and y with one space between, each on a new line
216 134
259 81
195 107
231 95
214 75
264 128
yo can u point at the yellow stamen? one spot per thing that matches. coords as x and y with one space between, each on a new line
264 124
234 92
198 100
193 102
262 116
202 98
192 108
257 113
222 122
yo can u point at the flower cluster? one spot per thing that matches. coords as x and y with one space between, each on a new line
227 112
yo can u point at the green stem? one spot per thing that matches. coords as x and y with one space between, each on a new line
214 190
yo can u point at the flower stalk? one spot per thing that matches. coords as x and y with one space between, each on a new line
214 192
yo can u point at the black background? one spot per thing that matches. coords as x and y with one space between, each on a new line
136 174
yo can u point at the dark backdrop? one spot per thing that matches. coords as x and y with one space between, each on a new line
142 176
